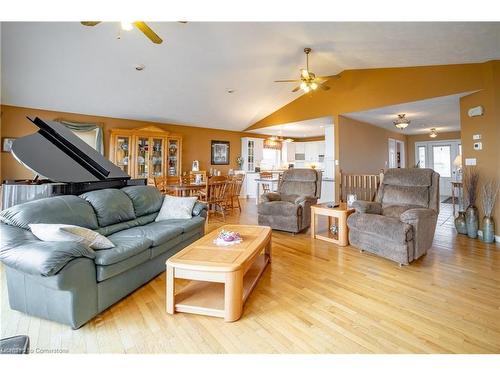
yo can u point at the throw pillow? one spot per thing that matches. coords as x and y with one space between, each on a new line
176 208
65 232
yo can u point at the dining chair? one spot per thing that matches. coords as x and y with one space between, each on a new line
236 190
216 195
266 188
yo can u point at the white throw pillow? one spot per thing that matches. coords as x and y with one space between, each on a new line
64 232
176 208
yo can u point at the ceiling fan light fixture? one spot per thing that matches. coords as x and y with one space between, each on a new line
303 85
314 85
402 122
306 89
433 133
126 25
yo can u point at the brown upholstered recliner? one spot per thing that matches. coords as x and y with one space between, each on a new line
290 209
400 224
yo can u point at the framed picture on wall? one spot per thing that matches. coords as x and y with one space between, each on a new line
7 144
220 153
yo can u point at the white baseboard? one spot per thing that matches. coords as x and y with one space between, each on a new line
480 235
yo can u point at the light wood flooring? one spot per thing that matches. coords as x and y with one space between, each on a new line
314 298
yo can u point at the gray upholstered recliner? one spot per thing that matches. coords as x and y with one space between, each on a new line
290 209
400 224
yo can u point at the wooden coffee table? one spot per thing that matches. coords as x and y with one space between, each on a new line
222 277
337 215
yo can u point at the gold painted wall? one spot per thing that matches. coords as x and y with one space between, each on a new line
488 125
363 147
196 141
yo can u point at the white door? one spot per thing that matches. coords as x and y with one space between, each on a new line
392 153
439 155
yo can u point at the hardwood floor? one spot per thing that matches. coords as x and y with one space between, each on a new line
313 298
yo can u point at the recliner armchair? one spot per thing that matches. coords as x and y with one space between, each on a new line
400 224
290 209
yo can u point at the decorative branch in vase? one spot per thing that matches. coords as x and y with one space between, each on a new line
470 181
489 196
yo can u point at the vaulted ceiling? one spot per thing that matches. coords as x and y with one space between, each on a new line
72 68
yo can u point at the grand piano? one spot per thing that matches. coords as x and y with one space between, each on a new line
62 164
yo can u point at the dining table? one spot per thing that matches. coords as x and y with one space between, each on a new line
185 189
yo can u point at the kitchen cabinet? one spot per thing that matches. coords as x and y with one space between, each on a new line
288 152
311 151
252 150
251 185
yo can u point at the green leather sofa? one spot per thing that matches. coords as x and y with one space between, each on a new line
70 283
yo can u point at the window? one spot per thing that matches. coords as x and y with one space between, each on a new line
442 160
422 156
270 159
89 137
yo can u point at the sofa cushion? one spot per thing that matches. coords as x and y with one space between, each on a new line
185 225
405 195
155 232
396 210
389 228
126 246
110 205
145 199
170 245
176 208
279 208
66 209
105 272
64 232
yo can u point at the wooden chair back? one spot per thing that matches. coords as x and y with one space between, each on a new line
237 184
217 189
266 188
363 185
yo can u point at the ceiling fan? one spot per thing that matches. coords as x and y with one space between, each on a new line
145 29
308 80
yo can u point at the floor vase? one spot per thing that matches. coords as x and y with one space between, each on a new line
472 221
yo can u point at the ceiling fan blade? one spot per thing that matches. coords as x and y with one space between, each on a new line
90 23
323 87
289 80
296 89
146 30
305 74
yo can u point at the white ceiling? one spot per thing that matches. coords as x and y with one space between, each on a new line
299 129
69 67
442 113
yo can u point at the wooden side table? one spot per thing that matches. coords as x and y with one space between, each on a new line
337 215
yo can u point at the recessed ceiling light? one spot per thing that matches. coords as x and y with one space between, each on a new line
140 67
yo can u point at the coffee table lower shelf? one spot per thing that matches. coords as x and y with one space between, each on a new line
208 298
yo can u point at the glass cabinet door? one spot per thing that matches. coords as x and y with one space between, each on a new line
122 153
157 157
173 157
142 154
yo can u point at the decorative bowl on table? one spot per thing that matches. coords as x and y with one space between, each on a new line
227 238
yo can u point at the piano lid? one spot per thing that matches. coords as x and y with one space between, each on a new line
55 152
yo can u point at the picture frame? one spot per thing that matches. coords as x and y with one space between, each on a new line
220 152
7 144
